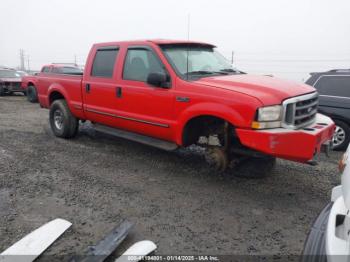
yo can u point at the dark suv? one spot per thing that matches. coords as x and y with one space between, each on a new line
334 89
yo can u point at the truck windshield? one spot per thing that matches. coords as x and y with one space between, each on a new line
193 61
9 74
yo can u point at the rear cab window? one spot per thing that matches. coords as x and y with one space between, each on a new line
333 85
45 69
104 61
67 70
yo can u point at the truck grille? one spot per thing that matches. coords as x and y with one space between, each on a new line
13 84
300 111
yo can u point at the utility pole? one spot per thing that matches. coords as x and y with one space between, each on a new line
232 54
75 59
28 66
21 57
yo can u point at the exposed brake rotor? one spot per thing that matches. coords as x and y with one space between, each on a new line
217 157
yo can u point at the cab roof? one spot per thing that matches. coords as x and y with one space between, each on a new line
61 65
157 42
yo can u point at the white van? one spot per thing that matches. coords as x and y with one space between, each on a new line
329 237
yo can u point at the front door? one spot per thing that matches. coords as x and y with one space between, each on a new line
145 109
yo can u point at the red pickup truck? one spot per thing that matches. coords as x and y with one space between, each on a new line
172 94
29 82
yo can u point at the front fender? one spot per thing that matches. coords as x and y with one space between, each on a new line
207 109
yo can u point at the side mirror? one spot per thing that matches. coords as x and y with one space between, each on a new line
158 80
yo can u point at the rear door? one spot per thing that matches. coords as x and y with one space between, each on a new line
334 93
99 86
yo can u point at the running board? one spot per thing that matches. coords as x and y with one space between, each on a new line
146 140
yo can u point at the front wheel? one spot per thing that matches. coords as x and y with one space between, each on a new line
255 167
32 95
341 137
315 244
62 122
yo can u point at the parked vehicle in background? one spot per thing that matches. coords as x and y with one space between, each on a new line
172 94
10 82
29 83
334 89
22 73
329 237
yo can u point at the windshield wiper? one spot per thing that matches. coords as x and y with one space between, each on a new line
199 72
203 72
230 70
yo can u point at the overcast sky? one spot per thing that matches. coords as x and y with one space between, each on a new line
287 38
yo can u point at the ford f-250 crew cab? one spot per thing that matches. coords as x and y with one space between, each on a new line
173 94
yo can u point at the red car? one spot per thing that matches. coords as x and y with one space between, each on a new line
29 82
172 94
10 81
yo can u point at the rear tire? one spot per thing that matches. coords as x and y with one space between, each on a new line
2 90
32 95
255 167
341 136
63 123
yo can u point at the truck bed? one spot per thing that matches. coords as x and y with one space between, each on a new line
49 83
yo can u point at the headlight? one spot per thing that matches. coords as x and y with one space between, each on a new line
268 117
269 113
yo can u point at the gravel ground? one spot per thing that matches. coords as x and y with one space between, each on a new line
175 199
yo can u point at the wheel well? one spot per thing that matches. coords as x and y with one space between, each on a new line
55 96
346 121
202 126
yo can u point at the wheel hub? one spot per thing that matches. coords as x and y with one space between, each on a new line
217 157
339 136
58 119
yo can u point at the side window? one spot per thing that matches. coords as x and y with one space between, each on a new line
45 69
139 63
104 61
56 70
334 85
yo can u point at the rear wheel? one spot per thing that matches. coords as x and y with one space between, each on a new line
341 136
32 95
62 122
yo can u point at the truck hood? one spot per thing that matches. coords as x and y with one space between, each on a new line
12 79
269 90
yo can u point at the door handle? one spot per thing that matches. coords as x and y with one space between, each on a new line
119 92
87 88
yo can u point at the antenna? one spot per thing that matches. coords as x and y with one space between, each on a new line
188 26
188 45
